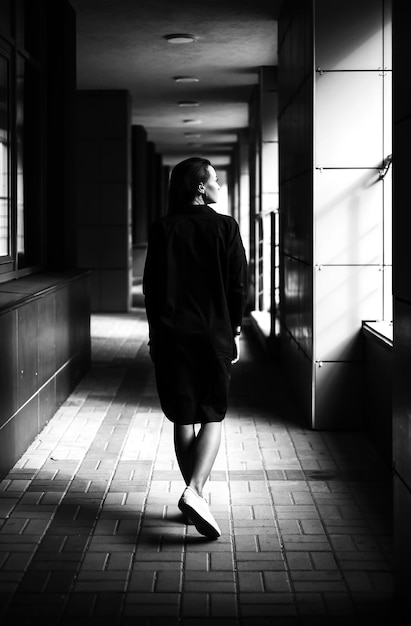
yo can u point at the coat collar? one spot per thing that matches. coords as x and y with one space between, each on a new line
193 209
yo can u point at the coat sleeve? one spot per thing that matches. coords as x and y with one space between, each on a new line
237 278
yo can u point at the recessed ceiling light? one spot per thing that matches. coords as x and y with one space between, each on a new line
188 103
180 38
186 79
192 121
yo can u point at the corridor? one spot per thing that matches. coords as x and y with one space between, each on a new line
90 531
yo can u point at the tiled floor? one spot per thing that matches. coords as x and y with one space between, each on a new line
90 532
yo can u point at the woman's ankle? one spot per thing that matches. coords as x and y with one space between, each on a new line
197 488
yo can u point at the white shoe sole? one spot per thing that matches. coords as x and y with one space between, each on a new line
202 525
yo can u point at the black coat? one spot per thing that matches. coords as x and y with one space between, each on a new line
195 286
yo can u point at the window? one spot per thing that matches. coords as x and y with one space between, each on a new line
28 165
4 162
21 138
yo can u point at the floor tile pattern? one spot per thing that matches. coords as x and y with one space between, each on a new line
90 532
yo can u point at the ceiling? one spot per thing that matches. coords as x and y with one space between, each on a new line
121 45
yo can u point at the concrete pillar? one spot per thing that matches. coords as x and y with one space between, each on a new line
139 184
104 196
139 199
244 190
335 133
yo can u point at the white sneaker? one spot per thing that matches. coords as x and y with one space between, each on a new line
196 508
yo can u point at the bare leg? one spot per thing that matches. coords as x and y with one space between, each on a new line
184 441
203 454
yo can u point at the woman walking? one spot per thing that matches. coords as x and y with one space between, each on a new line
195 292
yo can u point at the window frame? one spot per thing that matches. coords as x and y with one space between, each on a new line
12 49
7 262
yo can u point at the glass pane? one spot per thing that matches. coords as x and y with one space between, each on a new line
20 158
29 159
4 160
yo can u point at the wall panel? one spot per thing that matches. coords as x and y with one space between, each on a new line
348 119
301 366
348 217
352 124
402 544
402 390
111 194
139 185
114 246
46 348
334 135
115 288
64 380
8 365
338 396
297 217
377 380
47 337
348 35
402 214
296 199
79 303
47 403
345 295
104 188
62 327
27 351
297 307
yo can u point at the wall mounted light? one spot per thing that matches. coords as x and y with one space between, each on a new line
180 38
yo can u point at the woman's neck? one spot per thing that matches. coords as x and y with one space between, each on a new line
198 200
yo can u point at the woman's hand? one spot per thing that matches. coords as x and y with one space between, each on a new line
236 356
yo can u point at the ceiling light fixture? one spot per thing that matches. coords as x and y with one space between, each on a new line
180 38
186 79
188 103
192 121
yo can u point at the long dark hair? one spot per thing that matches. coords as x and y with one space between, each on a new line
184 180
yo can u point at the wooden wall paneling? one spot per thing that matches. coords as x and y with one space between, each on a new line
7 448
63 385
27 351
8 366
79 307
47 337
17 435
47 403
38 338
25 427
62 327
